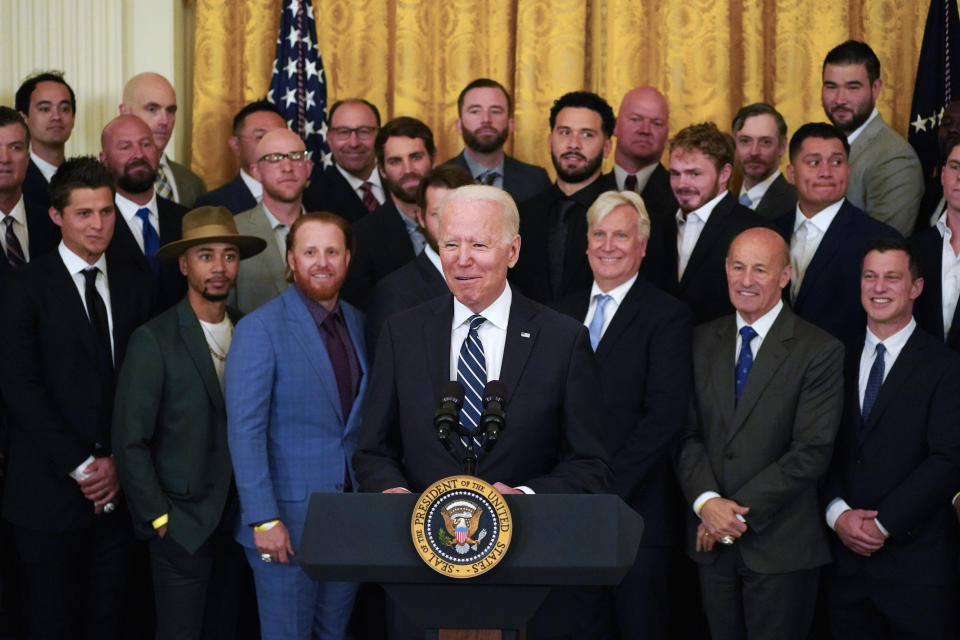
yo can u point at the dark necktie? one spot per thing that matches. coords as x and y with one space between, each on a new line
472 374
630 183
487 177
151 241
14 249
369 200
745 359
557 241
97 312
874 382
340 360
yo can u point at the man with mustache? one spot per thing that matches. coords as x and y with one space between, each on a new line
553 225
283 167
760 136
486 121
145 219
697 236
389 237
886 180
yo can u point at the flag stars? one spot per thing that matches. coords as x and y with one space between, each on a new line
920 124
291 67
293 36
310 101
311 68
289 97
327 158
294 6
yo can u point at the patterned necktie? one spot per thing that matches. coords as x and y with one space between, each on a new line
369 200
487 177
14 249
472 374
630 183
799 258
874 382
746 201
97 312
745 359
162 184
596 324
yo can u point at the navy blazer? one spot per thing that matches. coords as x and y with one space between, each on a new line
329 191
829 296
780 198
381 245
644 359
521 180
234 195
928 309
43 235
35 187
904 462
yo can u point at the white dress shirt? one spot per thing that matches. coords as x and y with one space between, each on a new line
806 238
688 232
617 294
492 333
253 185
280 232
434 258
762 327
19 215
643 176
757 191
949 275
355 183
128 209
45 167
856 133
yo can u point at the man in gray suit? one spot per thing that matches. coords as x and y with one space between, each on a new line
760 134
282 168
767 404
886 179
152 98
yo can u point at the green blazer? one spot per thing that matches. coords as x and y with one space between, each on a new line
169 433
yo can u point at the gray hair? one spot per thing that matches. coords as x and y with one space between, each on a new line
610 200
484 193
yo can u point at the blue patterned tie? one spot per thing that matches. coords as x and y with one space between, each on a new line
472 374
874 382
746 201
596 324
745 359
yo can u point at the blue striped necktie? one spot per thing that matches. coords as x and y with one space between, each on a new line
472 374
874 382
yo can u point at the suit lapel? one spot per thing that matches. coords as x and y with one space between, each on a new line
522 330
275 265
832 242
354 323
899 376
723 368
710 235
62 287
302 327
623 319
436 338
196 344
770 357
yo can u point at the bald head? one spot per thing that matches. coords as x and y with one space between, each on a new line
642 128
152 98
283 177
758 268
128 151
279 141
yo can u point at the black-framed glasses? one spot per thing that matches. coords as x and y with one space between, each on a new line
292 156
342 133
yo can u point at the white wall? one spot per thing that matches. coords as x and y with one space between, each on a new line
98 44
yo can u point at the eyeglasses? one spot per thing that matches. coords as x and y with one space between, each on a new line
293 156
342 133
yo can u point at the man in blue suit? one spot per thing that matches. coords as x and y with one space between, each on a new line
295 383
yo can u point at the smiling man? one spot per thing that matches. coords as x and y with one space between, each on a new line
767 403
886 179
827 234
760 135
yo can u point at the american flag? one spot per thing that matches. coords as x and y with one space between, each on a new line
297 86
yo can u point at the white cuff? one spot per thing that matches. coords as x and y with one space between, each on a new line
883 530
702 498
836 507
527 490
78 473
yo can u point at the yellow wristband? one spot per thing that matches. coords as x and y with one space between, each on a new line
266 526
162 520
955 496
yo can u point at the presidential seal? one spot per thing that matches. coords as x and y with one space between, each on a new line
461 526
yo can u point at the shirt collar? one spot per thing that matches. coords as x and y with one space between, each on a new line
859 130
272 219
757 191
618 293
822 219
763 323
256 189
643 175
703 213
355 182
497 314
129 208
433 257
585 195
18 213
315 309
894 344
45 167
75 264
476 168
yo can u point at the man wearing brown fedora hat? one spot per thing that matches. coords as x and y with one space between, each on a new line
170 431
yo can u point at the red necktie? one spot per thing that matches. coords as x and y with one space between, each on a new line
630 184
369 200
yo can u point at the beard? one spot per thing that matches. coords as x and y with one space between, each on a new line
133 183
213 297
856 120
474 144
396 188
577 175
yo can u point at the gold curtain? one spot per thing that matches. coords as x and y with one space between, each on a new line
412 57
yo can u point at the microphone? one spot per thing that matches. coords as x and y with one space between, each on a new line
446 417
493 420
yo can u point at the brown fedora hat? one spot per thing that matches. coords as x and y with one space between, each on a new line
211 224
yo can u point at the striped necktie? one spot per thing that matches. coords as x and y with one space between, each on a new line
162 184
472 374
14 250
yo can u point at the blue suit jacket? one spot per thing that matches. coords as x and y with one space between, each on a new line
286 430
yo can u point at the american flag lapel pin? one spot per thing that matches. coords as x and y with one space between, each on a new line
524 334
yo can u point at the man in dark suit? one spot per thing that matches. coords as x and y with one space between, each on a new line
48 105
641 337
145 220
553 261
389 237
937 249
249 125
26 230
826 233
67 317
151 97
485 120
896 466
760 135
933 202
170 434
689 263
352 187
767 404
422 278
